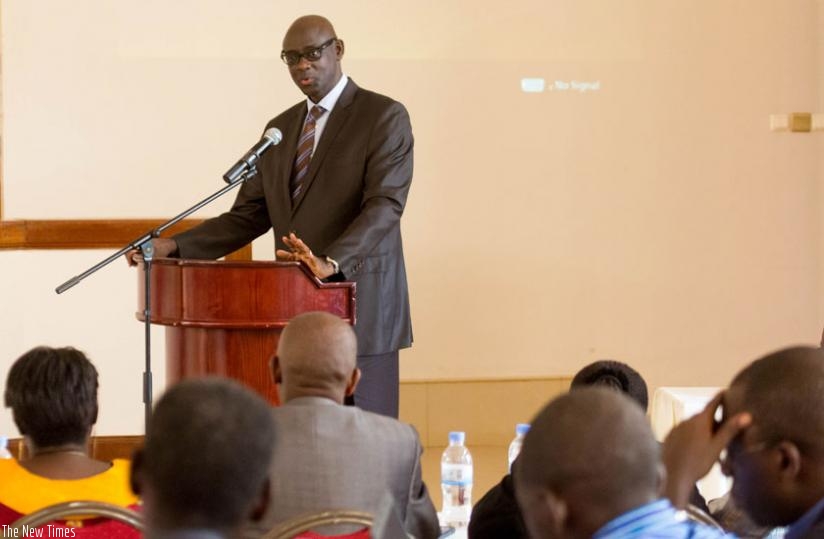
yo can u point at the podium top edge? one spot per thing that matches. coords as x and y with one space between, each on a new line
225 263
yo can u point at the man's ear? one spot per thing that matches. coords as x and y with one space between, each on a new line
661 477
339 49
558 511
353 382
788 459
274 369
136 472
262 504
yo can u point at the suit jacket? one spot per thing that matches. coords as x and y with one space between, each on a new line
349 209
330 456
810 525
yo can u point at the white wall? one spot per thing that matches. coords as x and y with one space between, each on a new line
656 221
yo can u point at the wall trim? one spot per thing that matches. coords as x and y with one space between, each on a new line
100 447
88 234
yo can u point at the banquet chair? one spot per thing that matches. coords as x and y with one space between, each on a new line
301 527
100 520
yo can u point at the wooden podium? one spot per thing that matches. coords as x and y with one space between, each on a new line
225 318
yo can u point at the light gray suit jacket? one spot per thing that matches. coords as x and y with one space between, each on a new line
329 456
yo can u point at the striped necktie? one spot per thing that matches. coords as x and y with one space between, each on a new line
306 145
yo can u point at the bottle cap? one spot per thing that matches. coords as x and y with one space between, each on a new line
521 428
457 437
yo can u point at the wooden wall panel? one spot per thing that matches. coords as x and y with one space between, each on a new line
88 234
102 447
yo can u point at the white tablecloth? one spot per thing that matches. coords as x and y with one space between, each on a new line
670 406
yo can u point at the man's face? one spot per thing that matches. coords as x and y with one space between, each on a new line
315 78
749 465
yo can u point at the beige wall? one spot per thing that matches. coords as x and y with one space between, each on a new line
820 142
656 220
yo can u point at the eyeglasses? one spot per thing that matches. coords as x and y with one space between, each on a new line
291 58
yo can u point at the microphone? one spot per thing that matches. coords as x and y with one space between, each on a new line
271 137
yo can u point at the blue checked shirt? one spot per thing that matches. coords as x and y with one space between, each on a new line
659 520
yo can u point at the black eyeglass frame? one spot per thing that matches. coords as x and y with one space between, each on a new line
314 54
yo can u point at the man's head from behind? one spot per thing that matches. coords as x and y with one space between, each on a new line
777 463
316 357
615 375
205 460
589 457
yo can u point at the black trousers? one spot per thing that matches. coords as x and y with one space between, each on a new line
378 388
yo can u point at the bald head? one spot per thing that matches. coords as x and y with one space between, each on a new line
317 356
310 23
592 452
786 384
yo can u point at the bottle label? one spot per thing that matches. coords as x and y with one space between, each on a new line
459 475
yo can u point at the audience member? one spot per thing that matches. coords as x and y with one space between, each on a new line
336 456
496 514
590 467
772 428
202 470
52 393
615 375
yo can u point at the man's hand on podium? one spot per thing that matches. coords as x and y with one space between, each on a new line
299 251
163 247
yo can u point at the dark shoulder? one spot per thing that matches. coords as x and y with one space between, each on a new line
292 112
497 514
816 530
373 100
376 98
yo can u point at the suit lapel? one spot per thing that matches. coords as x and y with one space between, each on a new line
336 121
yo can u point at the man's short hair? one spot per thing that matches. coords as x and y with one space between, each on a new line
786 384
52 393
594 440
616 375
207 452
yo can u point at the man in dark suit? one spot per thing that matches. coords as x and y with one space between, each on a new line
335 456
773 432
333 191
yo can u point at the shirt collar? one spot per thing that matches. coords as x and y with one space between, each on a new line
803 524
660 510
329 100
310 401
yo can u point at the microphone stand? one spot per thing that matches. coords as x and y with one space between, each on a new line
145 246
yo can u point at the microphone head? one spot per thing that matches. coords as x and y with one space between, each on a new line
273 134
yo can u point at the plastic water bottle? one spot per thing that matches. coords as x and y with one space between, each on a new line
4 448
456 482
515 447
